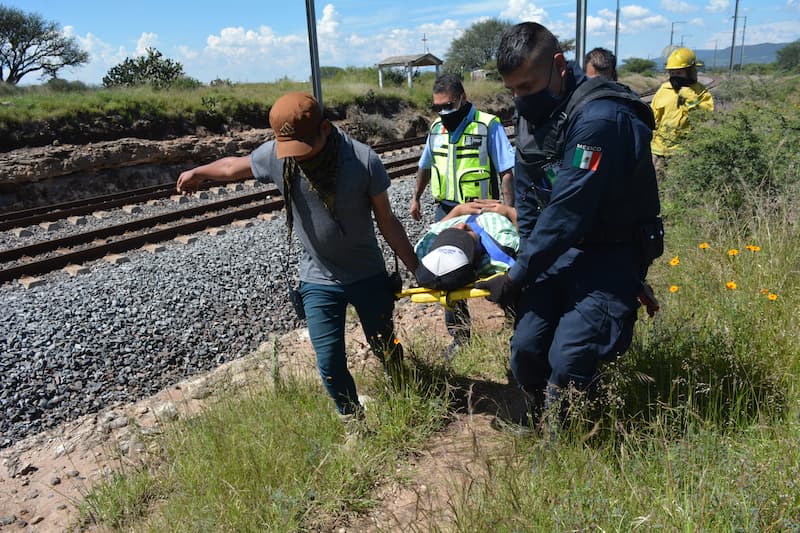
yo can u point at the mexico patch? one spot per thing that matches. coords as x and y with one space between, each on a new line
587 157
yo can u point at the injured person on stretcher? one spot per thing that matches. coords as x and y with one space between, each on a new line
474 241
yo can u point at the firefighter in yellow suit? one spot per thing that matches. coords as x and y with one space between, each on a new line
674 100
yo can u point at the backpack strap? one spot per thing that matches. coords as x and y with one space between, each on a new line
489 244
593 89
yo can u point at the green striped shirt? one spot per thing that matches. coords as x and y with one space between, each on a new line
500 228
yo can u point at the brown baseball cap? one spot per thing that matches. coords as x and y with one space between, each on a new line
295 118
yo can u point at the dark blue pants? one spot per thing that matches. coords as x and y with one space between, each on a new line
457 320
325 307
576 315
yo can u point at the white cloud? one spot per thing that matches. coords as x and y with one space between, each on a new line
715 6
601 24
635 12
329 24
522 10
678 6
146 40
102 56
786 31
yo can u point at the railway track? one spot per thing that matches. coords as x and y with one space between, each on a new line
48 255
51 254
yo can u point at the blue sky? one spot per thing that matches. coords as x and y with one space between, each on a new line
255 41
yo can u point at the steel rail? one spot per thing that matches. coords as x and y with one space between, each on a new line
42 247
129 243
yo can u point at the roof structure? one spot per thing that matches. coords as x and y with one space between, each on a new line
414 60
408 62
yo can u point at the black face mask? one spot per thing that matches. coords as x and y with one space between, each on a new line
537 107
679 81
451 119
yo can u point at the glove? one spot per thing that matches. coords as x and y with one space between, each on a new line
502 290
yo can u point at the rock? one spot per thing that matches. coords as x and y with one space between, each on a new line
166 411
20 469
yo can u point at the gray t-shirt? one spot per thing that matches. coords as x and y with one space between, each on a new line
339 248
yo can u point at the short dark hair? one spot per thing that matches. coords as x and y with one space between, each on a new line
604 62
524 41
448 84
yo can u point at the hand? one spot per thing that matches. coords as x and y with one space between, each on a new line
188 182
502 290
414 211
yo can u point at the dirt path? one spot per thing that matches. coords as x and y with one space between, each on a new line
44 477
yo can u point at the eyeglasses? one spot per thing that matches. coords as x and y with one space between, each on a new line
447 106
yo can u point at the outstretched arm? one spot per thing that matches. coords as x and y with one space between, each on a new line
225 169
393 231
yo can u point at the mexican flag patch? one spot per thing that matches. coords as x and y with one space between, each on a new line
587 157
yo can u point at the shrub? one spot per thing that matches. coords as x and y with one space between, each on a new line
151 69
64 86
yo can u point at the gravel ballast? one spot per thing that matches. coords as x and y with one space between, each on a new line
73 346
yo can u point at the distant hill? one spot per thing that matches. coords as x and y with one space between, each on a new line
753 53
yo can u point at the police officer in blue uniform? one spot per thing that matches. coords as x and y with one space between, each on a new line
588 215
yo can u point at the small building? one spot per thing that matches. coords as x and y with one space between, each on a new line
408 63
482 74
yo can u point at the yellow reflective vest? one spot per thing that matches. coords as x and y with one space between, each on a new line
463 171
671 110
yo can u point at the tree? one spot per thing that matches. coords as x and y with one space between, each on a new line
789 56
151 69
637 65
28 43
476 47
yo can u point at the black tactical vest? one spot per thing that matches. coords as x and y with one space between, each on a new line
541 149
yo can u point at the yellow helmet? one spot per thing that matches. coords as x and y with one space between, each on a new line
682 58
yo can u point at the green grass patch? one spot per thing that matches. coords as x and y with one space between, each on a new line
271 459
695 428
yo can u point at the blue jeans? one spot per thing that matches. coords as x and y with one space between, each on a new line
325 307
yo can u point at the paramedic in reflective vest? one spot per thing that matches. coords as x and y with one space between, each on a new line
588 216
467 157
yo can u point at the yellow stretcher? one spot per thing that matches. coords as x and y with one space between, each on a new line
445 298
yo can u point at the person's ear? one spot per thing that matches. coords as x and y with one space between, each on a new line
325 127
560 63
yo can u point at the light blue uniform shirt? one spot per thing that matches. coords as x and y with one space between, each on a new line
500 150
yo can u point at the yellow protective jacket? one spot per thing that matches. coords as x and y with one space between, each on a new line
463 171
671 110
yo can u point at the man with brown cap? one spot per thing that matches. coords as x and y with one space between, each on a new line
332 185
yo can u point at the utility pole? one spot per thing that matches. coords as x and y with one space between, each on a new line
741 50
672 30
311 19
733 38
714 63
616 34
580 32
